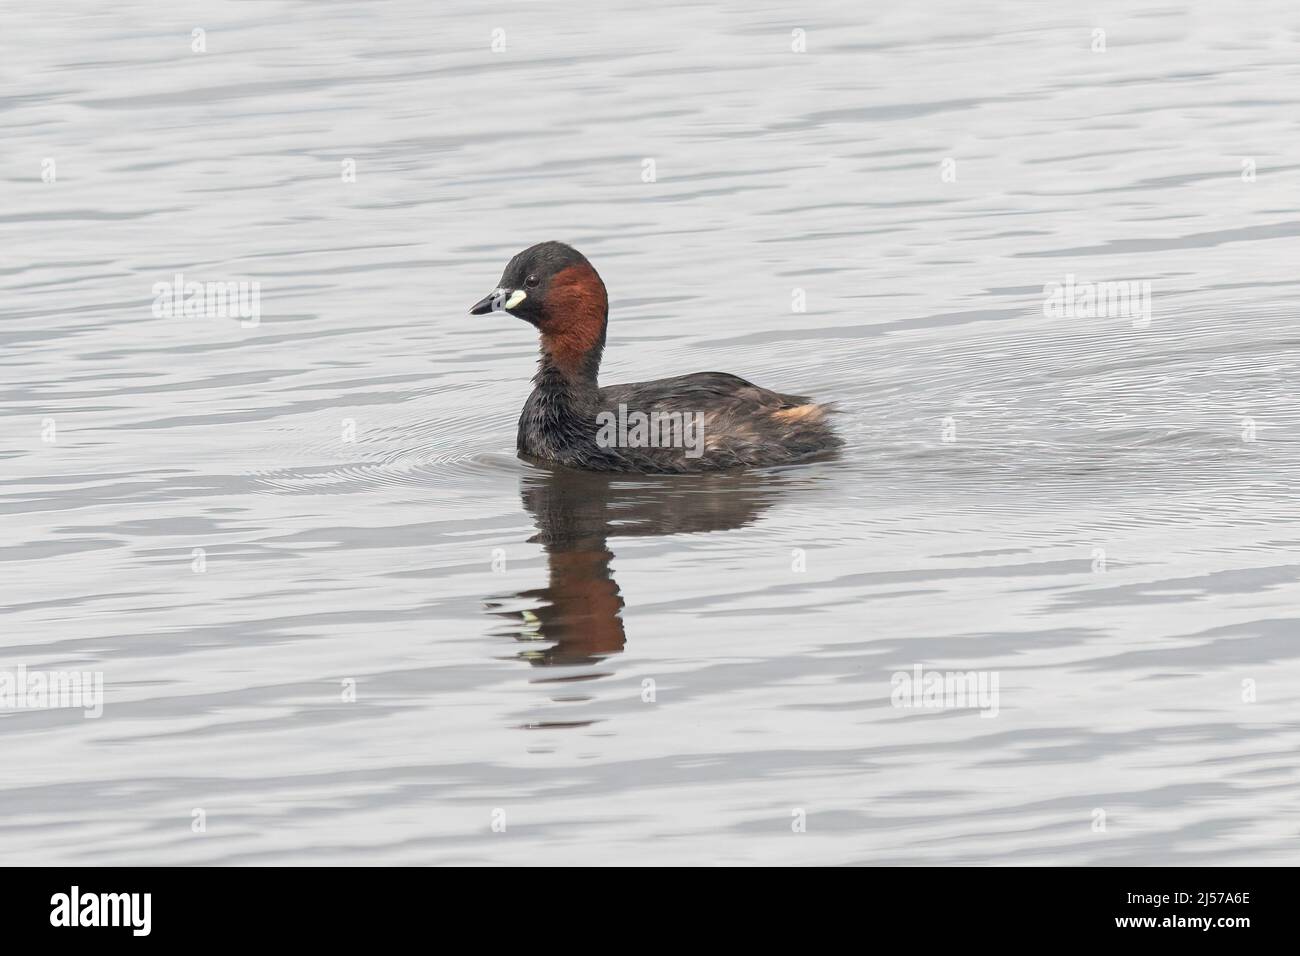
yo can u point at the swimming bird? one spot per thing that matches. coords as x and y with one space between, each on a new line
706 421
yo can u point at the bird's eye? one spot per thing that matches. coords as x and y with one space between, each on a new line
530 282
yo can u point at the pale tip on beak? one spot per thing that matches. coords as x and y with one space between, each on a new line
498 300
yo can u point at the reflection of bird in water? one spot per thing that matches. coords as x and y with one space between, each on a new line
579 610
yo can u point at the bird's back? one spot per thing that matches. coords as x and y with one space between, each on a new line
712 420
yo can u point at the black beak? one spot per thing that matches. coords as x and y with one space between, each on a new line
489 303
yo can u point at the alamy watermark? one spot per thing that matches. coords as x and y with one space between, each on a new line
22 689
130 910
237 299
946 690
636 429
1074 299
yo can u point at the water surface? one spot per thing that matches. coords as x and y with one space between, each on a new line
401 633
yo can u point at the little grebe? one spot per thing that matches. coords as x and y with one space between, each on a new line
689 423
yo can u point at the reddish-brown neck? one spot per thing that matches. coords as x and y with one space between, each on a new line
573 330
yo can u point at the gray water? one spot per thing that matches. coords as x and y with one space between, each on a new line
335 614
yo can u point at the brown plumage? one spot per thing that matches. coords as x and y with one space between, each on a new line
707 421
